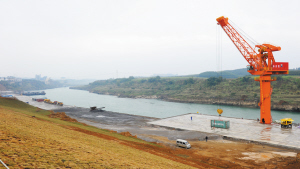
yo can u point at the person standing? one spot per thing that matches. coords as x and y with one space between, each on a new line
206 138
191 118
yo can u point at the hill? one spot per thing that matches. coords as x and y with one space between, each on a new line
28 84
232 74
242 91
225 74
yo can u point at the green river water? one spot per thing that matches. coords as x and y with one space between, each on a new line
153 107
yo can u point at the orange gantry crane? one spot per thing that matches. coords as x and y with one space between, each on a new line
261 63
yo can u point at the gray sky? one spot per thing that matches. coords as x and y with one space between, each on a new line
96 39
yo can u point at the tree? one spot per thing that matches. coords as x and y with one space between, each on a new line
245 79
189 81
154 79
212 81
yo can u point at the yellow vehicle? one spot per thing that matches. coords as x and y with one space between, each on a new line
48 101
60 103
286 123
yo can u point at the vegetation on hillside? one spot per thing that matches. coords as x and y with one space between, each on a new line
286 88
29 84
232 74
229 74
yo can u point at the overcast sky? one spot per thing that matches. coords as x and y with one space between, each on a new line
108 39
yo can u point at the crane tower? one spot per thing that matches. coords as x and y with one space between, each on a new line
261 63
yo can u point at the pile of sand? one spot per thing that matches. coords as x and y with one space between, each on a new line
62 116
127 134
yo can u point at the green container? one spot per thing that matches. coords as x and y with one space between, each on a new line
220 124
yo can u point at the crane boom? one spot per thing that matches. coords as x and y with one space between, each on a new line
246 50
261 63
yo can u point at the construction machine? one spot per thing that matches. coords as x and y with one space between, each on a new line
48 101
286 123
60 103
261 63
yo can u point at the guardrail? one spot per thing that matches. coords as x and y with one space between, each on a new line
4 164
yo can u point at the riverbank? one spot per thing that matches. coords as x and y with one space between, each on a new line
235 102
281 106
151 107
136 125
120 122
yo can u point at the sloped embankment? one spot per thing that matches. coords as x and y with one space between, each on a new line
30 139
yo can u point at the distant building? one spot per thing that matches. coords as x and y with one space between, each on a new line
38 77
13 79
47 81
10 79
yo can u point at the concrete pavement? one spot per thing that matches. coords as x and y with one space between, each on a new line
245 129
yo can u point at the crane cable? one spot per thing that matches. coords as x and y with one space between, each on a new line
243 33
219 63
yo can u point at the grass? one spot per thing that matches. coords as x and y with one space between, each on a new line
183 155
29 110
43 142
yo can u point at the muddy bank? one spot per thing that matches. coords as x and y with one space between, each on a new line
120 122
136 125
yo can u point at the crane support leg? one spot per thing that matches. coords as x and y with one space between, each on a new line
265 98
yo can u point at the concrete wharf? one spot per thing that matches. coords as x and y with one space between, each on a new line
242 129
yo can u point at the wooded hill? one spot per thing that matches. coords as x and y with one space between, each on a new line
232 74
286 89
28 84
225 74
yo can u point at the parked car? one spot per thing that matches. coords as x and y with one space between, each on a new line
183 143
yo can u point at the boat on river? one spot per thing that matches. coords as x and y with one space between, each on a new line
33 93
94 108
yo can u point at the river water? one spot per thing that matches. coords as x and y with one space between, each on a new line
153 107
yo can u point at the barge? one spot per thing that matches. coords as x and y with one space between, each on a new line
33 93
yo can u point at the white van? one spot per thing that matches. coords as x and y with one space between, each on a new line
183 143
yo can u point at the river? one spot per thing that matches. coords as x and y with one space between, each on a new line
153 107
